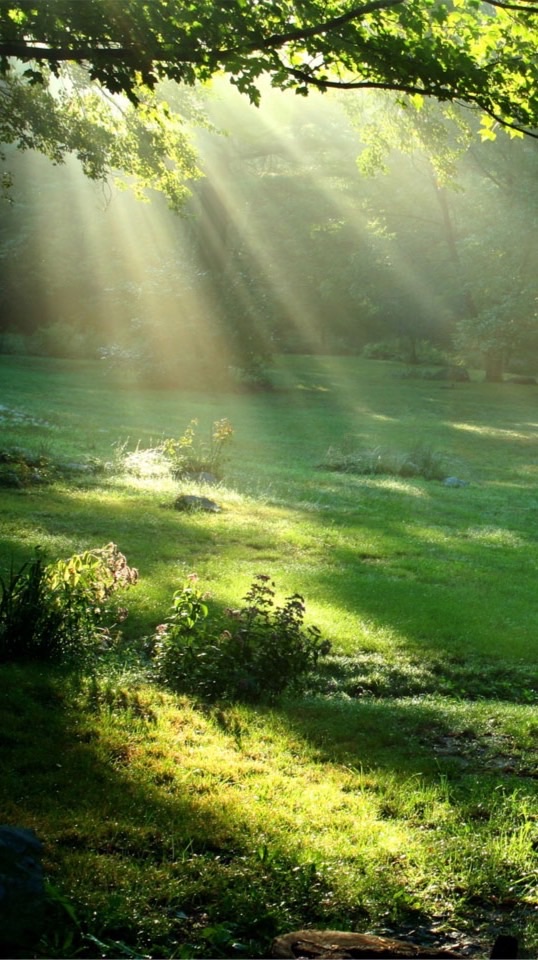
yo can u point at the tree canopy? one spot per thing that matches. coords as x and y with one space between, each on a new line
482 54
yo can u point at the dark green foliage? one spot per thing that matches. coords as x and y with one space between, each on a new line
61 611
419 49
258 653
20 469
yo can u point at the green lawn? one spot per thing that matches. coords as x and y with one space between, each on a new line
401 793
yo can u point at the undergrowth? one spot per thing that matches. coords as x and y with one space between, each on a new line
421 461
258 651
62 610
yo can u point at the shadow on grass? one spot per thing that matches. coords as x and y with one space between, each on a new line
138 848
153 858
400 573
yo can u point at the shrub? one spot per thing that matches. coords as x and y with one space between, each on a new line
421 461
62 610
384 350
62 339
191 455
260 650
403 349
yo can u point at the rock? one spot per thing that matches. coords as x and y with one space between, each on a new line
504 948
340 945
22 892
455 482
191 503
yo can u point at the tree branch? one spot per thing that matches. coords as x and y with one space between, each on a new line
398 86
304 33
525 7
27 51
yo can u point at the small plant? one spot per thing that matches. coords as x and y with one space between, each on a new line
59 610
421 461
191 455
259 652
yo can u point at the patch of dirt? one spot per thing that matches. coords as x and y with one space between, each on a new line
489 751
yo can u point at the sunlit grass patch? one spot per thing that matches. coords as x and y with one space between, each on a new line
210 794
402 790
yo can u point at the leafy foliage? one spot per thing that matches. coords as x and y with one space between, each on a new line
421 48
191 455
148 145
62 610
262 651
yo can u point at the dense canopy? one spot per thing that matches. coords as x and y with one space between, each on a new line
458 50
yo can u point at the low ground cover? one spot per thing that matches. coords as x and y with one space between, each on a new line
399 792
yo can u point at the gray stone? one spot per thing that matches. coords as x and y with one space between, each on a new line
455 482
192 503
22 891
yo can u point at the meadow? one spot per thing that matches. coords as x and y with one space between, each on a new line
399 794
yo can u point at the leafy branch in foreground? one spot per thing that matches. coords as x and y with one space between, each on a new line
62 610
417 47
257 653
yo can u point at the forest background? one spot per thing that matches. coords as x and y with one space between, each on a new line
309 225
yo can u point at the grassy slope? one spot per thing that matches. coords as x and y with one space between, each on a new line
173 831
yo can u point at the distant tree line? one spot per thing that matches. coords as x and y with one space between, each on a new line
317 225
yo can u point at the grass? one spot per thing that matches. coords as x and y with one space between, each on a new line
401 793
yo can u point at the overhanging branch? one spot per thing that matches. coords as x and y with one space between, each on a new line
304 33
36 50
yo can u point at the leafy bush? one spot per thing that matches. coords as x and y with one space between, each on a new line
191 455
384 350
13 344
65 340
419 462
421 351
64 609
260 651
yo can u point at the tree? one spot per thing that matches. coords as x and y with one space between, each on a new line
486 210
70 115
478 53
498 254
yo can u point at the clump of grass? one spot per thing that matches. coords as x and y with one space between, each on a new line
420 461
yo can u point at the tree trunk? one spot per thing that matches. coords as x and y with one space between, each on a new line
494 365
